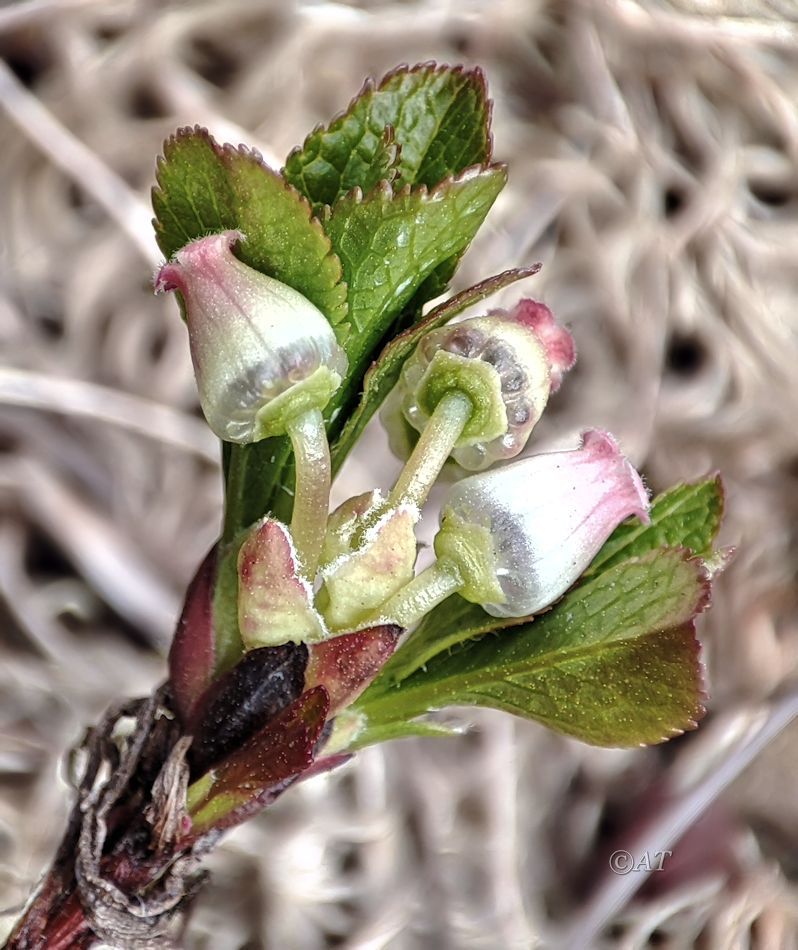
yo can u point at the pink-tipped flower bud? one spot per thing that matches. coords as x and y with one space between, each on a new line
262 352
546 517
528 354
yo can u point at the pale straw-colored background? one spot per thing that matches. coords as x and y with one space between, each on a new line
653 149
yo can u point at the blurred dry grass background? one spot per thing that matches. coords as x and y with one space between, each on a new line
653 149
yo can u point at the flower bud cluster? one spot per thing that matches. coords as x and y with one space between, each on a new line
512 540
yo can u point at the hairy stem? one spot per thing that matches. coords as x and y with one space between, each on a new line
312 488
427 590
434 446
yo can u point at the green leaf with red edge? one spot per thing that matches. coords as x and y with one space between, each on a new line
632 692
635 692
638 613
384 373
275 755
438 116
193 196
389 243
349 153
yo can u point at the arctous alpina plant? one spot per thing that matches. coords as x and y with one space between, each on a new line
558 592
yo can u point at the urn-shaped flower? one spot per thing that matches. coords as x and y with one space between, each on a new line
262 352
547 516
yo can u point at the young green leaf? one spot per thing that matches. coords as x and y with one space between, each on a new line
661 589
283 240
589 634
351 153
629 693
384 372
439 117
686 515
193 196
388 244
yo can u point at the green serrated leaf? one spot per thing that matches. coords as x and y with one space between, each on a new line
686 515
384 372
388 244
439 117
193 196
584 641
283 240
633 692
661 589
351 153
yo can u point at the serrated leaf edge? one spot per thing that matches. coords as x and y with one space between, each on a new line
475 73
371 85
712 476
701 696
702 603
471 697
384 190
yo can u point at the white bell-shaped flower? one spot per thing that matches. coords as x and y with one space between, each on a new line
262 352
546 516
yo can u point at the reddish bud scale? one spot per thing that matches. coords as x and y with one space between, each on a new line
346 665
193 652
267 762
